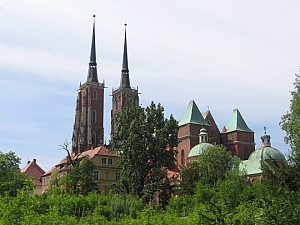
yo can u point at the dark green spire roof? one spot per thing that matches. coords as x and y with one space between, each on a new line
236 122
92 74
192 115
125 82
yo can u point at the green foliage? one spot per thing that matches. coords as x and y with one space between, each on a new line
213 164
81 176
290 122
189 175
181 206
79 179
125 206
287 173
11 179
141 138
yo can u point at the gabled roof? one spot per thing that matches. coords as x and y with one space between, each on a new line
237 123
192 115
204 114
102 151
33 170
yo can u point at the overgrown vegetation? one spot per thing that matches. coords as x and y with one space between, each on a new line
141 138
212 191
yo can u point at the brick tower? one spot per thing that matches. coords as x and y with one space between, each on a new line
124 96
88 126
237 136
189 127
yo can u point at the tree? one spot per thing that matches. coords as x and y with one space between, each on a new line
214 163
145 142
189 178
11 178
287 173
81 176
290 122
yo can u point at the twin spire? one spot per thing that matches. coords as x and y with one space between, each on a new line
125 82
92 73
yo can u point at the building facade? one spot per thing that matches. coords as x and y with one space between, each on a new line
106 171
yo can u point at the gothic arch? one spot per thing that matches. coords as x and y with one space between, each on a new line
94 116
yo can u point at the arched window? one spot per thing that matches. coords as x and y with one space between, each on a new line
94 116
95 94
94 139
182 157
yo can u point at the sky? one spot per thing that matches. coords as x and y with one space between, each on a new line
222 54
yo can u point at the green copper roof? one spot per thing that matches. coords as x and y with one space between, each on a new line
203 131
92 73
198 149
125 81
192 115
251 166
204 114
267 152
236 122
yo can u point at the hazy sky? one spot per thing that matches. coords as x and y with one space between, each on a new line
225 54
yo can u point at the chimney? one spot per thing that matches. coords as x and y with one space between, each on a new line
34 162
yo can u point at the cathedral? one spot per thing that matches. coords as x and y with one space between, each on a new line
88 129
196 130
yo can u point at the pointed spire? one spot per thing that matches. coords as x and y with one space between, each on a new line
125 82
92 74
237 122
192 115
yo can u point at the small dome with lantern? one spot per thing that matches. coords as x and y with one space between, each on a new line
202 146
252 166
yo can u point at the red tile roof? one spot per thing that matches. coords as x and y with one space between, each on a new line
102 150
34 170
173 173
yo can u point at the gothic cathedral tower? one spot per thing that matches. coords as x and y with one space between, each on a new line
124 96
88 126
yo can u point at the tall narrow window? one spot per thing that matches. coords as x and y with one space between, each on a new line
117 176
182 157
96 175
94 116
94 139
95 94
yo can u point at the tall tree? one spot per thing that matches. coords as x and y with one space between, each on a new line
287 173
81 176
213 165
11 178
145 142
290 122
